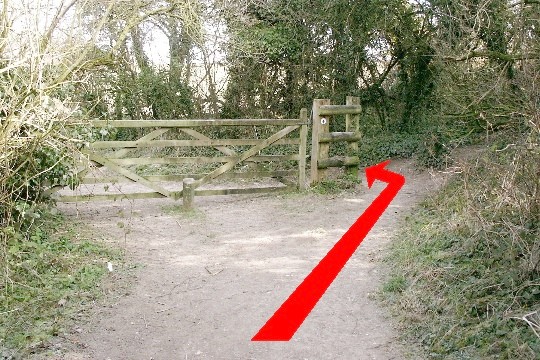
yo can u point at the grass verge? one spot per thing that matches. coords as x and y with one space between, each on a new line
465 275
52 274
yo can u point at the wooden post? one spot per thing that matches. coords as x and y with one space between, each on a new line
324 148
302 151
188 193
316 149
352 125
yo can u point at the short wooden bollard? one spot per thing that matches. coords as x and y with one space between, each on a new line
188 193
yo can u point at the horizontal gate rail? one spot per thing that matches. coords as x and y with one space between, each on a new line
203 160
193 123
154 195
260 190
110 197
180 143
180 177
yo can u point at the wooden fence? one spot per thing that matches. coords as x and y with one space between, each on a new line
322 137
113 155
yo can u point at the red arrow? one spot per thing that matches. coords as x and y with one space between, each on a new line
288 318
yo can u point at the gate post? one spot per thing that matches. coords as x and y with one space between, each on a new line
302 150
318 151
188 193
352 125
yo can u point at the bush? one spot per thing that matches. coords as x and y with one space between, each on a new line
38 170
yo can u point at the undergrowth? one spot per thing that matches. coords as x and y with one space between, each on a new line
53 273
429 148
465 278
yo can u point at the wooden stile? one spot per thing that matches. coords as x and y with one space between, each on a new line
322 137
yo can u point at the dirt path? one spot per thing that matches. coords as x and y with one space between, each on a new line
211 279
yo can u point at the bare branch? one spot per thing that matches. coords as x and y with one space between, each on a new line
493 55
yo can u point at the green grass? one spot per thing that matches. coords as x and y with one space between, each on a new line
53 274
338 185
460 281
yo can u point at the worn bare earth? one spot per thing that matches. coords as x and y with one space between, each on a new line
211 278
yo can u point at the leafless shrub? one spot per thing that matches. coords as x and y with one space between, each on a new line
47 48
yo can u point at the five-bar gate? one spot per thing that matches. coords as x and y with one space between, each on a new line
269 156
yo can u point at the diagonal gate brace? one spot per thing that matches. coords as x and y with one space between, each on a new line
246 155
129 174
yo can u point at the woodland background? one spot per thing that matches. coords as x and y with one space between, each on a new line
432 76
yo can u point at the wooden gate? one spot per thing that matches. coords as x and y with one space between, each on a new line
284 141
